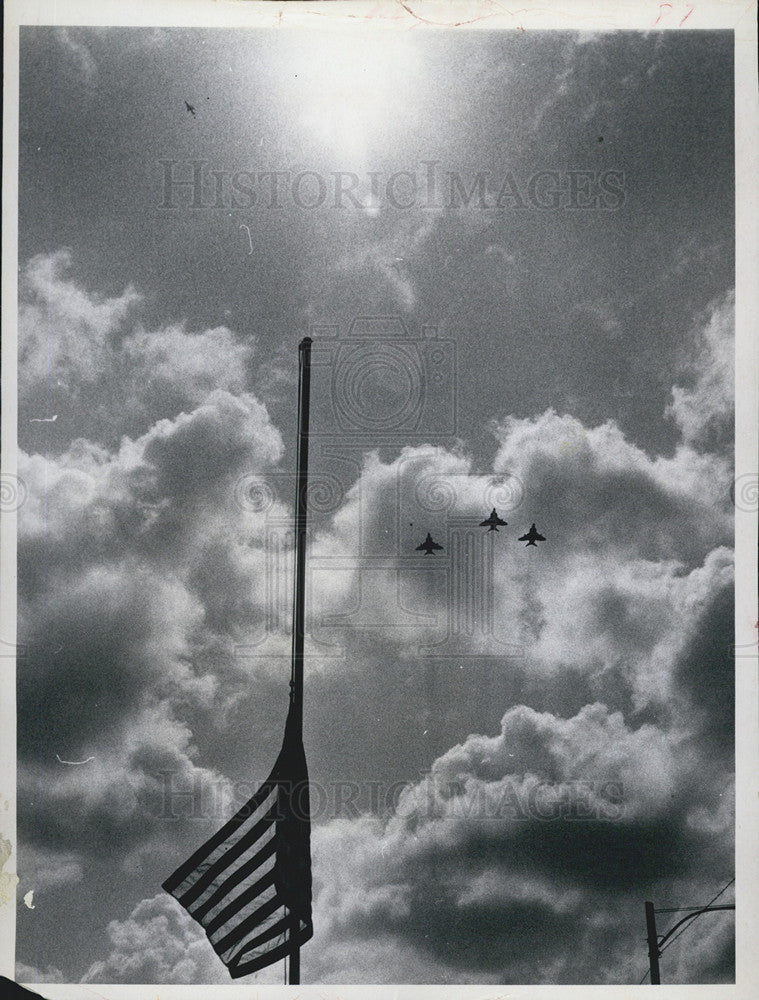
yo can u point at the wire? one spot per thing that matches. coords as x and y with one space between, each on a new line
683 909
685 928
679 909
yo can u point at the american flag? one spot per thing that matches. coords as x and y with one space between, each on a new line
249 886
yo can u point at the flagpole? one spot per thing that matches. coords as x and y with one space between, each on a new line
299 586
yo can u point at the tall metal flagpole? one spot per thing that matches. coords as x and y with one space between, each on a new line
299 586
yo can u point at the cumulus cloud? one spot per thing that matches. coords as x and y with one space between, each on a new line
630 540
605 491
632 605
568 756
617 610
63 330
127 635
90 359
158 943
524 856
119 802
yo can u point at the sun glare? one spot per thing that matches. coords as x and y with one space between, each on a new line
350 87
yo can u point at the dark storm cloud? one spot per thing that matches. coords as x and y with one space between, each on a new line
112 609
445 876
92 672
706 672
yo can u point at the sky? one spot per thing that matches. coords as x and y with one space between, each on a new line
514 252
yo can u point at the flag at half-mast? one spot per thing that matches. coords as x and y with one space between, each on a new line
249 886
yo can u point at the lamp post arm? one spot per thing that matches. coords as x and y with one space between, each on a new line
692 916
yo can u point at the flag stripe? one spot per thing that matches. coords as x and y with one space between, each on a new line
220 852
245 812
246 947
239 901
249 886
278 927
257 917
235 879
275 930
202 905
269 958
228 949
226 859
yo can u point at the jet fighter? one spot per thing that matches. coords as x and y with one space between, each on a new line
428 546
532 537
492 522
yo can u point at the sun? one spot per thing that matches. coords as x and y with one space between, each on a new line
349 89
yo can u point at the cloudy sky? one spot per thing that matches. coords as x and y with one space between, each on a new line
511 748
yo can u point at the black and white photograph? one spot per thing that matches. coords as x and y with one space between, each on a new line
379 498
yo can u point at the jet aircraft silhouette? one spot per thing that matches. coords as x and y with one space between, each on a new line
532 537
190 108
428 546
492 522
